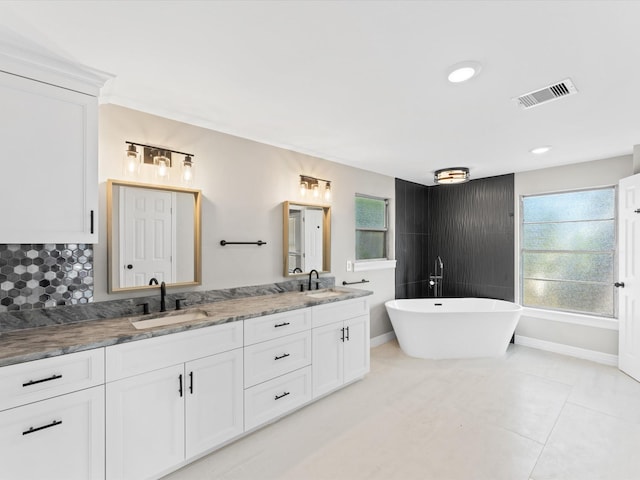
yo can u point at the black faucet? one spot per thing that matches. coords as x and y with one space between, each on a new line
317 276
163 293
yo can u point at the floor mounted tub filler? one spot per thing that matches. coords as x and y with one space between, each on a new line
453 327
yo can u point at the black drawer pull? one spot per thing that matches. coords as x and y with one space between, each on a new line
37 429
191 382
281 324
281 356
278 397
180 384
342 337
34 382
347 334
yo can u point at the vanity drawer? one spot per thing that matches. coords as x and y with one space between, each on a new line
266 360
276 397
273 326
338 311
40 379
133 358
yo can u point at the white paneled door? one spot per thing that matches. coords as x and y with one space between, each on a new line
629 268
147 245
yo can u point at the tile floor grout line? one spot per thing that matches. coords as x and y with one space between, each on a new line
544 446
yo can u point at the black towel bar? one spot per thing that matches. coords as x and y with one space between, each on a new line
353 283
259 243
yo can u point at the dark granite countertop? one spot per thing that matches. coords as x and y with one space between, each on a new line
49 341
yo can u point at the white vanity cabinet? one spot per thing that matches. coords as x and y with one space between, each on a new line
277 360
340 339
49 138
52 418
171 398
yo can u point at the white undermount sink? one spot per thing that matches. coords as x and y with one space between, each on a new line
187 316
324 293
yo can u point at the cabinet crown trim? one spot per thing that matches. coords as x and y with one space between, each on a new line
24 57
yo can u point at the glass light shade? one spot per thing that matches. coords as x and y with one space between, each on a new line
187 170
303 188
316 190
163 166
327 192
131 163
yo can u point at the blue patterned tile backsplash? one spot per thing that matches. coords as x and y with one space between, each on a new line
45 275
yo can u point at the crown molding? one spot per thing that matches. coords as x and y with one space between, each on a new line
23 57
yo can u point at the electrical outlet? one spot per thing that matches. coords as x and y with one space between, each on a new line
349 266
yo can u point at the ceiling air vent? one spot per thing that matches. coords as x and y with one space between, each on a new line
547 94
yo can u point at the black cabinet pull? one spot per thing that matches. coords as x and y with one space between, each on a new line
37 429
91 221
342 337
191 382
347 334
180 382
619 284
278 397
278 357
281 324
34 382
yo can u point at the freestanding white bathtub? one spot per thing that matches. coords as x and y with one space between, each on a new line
453 327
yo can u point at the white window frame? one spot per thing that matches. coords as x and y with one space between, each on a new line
361 265
580 318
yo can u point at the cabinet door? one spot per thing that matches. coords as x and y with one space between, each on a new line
49 142
145 424
60 438
327 358
214 401
356 348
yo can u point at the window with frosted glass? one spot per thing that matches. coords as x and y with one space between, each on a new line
568 247
371 228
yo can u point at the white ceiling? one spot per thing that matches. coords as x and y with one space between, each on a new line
364 83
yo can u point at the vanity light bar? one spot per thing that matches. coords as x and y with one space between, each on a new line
311 183
157 156
163 149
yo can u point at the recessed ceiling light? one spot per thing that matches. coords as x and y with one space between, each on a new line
463 71
540 150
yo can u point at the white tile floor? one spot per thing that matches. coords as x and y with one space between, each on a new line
527 415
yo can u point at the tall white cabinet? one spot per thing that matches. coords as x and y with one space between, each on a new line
49 138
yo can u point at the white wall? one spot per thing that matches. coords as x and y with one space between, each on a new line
244 184
569 177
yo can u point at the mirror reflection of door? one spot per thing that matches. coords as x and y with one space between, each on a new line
147 242
313 236
306 234
296 247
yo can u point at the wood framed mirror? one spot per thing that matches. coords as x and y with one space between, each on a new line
153 231
306 238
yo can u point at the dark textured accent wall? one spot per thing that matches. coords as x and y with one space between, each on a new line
470 226
412 239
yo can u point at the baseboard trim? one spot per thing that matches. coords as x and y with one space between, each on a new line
382 339
594 356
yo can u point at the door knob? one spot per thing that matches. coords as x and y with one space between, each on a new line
129 267
619 284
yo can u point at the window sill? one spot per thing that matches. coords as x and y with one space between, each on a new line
365 265
574 318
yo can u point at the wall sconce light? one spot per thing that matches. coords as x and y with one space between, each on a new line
160 159
451 175
131 165
312 183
